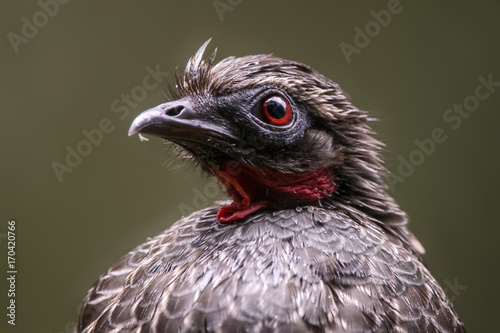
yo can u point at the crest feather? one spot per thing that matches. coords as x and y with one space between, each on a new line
197 73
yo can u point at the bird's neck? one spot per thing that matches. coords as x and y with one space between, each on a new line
253 188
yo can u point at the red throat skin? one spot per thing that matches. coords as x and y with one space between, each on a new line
253 188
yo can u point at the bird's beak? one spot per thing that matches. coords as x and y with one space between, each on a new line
177 120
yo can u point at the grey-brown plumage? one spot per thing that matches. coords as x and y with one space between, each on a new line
314 243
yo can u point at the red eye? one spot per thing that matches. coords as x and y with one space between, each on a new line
277 111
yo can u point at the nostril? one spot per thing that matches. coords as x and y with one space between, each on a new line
174 111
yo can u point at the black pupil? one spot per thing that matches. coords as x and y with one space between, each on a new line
276 109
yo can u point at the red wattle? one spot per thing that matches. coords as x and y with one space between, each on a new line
234 213
254 188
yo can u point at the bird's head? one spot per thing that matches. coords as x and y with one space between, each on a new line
275 132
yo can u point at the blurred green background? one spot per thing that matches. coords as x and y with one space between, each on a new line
66 76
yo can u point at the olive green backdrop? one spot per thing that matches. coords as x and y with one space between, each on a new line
72 71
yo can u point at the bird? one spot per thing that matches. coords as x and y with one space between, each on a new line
309 239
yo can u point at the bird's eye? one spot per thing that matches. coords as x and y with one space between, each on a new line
276 110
